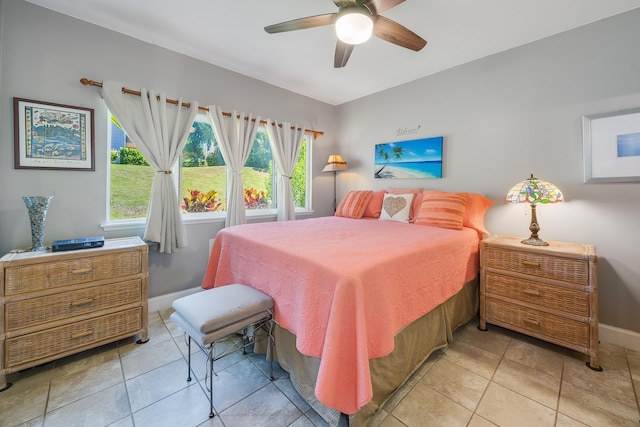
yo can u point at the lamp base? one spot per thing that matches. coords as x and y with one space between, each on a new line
534 241
534 227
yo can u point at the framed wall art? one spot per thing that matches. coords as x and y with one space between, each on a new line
52 136
611 144
419 158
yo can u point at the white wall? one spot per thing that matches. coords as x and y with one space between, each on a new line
515 113
44 55
502 117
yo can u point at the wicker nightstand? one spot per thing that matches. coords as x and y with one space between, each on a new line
548 292
53 304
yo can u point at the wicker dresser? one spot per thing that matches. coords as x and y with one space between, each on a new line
549 292
53 304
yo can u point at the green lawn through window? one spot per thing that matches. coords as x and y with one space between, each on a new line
131 186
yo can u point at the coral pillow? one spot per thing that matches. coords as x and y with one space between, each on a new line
442 209
417 192
353 204
396 207
415 206
374 207
477 206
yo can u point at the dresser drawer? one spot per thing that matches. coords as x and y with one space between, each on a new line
50 342
547 325
553 297
34 277
539 265
48 309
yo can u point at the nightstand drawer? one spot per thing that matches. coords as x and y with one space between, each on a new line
540 323
65 305
552 297
548 266
40 276
50 342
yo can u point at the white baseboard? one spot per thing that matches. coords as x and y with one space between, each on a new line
618 336
163 302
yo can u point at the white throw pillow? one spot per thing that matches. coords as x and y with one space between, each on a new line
396 207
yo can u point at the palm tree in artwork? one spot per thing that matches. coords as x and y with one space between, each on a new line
396 153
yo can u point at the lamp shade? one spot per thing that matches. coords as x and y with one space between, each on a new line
533 190
354 25
335 163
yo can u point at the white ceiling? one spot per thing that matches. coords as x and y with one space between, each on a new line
230 34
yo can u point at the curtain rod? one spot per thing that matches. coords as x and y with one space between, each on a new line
85 81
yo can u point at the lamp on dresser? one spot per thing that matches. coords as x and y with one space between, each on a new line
533 191
335 163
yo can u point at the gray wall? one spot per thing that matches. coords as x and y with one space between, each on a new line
515 113
502 117
44 55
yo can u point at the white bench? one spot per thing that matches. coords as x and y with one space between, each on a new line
208 316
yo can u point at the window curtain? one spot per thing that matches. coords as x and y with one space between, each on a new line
159 131
235 136
285 144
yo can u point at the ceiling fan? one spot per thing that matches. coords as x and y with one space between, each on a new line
355 21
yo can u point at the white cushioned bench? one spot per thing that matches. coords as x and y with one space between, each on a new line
208 316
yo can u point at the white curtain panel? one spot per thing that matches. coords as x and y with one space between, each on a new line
285 143
235 135
160 132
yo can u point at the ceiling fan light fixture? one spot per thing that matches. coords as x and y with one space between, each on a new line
354 25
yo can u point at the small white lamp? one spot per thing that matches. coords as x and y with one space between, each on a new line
335 163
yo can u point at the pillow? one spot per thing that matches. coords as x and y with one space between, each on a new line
415 206
374 207
353 204
477 206
442 209
416 200
396 207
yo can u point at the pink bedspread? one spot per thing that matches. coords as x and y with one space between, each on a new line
345 286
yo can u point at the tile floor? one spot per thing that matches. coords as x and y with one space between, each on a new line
494 378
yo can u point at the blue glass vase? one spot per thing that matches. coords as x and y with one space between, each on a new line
37 207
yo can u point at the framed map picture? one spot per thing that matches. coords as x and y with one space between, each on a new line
52 136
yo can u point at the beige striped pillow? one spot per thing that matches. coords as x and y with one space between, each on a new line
353 204
442 209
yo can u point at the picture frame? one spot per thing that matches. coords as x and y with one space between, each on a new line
53 136
611 146
418 158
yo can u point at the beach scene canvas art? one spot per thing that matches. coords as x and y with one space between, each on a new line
420 158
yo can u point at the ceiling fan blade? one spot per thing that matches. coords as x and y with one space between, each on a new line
302 23
342 3
379 6
343 52
395 33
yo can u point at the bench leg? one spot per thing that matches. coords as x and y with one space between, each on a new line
189 358
271 347
211 357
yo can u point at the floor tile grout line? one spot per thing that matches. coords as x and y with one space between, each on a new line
560 391
491 380
126 388
46 405
633 383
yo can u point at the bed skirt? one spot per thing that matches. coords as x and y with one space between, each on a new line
413 345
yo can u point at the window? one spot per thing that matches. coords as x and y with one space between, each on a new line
201 175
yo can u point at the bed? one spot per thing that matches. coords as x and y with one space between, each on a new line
359 303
